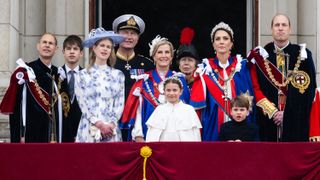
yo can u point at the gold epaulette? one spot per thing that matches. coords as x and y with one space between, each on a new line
268 107
314 139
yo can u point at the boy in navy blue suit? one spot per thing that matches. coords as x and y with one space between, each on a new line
72 51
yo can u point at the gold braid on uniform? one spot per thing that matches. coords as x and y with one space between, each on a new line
59 83
42 97
268 107
124 57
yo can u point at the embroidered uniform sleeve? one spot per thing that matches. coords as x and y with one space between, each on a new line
267 106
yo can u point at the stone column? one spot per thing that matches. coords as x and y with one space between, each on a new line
9 51
63 18
9 38
307 27
22 23
32 23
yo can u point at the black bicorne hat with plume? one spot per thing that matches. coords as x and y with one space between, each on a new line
186 48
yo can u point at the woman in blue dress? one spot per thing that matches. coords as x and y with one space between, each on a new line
221 78
100 90
147 93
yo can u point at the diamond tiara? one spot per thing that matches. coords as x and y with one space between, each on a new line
154 43
174 77
221 25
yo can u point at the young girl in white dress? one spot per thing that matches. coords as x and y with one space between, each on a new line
174 120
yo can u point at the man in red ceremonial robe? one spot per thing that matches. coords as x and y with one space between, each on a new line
286 75
28 97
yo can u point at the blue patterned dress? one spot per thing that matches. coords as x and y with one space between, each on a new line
100 92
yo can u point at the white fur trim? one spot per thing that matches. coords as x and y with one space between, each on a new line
31 74
136 92
303 52
62 73
141 76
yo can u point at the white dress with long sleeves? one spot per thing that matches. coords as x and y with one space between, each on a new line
100 93
173 122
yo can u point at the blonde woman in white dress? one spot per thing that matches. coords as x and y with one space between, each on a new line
100 90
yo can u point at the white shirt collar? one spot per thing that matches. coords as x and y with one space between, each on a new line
224 66
76 69
276 47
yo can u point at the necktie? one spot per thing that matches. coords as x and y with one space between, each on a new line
71 85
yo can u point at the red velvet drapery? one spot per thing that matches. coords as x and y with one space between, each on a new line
219 160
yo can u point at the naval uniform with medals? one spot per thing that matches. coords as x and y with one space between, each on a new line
133 65
294 93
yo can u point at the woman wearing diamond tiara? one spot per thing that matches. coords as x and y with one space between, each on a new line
147 93
218 80
100 90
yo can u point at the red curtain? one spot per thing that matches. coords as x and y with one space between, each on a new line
219 160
